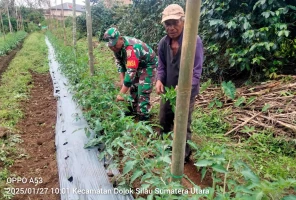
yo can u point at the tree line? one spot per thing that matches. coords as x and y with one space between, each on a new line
243 39
15 16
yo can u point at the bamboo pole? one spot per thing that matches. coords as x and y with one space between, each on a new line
184 87
50 26
56 11
63 21
74 25
89 37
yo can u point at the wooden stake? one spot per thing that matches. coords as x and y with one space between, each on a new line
184 87
74 25
89 37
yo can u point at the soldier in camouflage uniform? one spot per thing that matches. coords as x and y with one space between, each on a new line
137 63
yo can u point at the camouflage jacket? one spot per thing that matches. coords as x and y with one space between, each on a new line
135 55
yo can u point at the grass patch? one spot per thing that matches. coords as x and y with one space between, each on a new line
269 157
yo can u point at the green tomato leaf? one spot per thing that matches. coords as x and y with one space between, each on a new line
203 173
110 151
146 176
150 197
166 159
290 197
259 195
203 163
145 186
120 144
219 168
249 175
136 175
128 166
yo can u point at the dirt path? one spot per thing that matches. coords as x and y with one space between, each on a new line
39 165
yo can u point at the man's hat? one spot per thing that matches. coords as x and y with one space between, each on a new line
173 11
112 34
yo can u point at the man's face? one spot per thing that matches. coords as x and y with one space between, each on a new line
174 27
118 46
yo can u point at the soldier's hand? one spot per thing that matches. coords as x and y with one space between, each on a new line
159 87
119 98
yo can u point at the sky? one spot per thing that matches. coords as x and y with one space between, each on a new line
53 2
81 2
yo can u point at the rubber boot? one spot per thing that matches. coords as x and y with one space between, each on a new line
129 112
187 157
144 118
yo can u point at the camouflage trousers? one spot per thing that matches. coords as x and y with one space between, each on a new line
141 89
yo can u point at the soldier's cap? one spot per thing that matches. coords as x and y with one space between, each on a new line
172 11
112 34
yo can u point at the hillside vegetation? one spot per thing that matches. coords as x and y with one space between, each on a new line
252 40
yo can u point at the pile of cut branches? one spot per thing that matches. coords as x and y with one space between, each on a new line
270 105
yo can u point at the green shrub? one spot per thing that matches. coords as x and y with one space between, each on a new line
248 36
252 38
33 27
11 41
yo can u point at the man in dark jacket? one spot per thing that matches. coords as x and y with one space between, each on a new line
169 52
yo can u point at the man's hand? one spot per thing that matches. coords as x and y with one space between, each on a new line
159 87
123 91
119 98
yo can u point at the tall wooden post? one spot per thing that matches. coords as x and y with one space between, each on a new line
74 24
63 21
56 14
50 23
89 37
184 87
